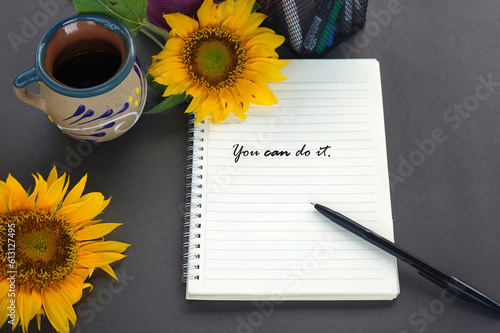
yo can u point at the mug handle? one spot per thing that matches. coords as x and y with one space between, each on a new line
21 90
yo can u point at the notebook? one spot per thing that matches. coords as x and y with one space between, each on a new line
251 232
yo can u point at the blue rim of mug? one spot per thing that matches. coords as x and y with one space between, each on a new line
39 73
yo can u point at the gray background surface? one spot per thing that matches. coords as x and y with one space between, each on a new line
445 196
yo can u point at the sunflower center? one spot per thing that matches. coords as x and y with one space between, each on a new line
215 58
42 244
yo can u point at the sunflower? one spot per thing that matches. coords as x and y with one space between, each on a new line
223 61
49 245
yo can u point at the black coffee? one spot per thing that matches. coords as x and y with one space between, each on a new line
88 69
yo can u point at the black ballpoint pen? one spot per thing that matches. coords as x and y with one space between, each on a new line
450 283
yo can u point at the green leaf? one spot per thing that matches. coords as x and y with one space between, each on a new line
155 85
130 12
167 103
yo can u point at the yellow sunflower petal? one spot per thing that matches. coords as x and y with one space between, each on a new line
30 202
194 90
24 308
88 285
269 39
39 318
80 273
185 86
198 117
86 200
268 72
240 15
86 224
261 51
105 246
208 105
110 271
4 303
182 25
174 44
175 89
99 259
222 115
95 231
195 103
88 211
206 14
29 302
273 62
172 76
222 10
67 210
4 286
256 78
17 195
52 177
36 298
72 288
218 112
164 55
76 192
4 197
170 63
53 195
256 94
227 99
240 105
226 9
251 24
58 309
40 187
258 31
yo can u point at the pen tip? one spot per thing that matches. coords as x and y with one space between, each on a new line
312 203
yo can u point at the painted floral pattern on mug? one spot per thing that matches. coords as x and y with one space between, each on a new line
81 124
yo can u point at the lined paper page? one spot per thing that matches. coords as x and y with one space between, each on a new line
260 237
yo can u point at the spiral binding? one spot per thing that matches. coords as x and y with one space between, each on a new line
192 202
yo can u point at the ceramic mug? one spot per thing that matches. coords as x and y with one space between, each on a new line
91 83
